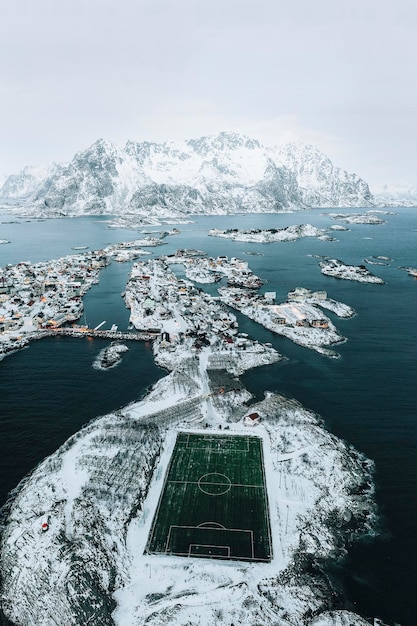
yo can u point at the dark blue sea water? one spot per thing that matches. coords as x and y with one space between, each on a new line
367 397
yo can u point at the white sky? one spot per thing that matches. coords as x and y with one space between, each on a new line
338 74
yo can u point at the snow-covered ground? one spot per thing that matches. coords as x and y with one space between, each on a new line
35 296
98 493
411 271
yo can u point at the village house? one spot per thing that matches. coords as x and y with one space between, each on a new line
252 419
319 323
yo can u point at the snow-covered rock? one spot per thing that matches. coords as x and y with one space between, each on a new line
370 217
110 357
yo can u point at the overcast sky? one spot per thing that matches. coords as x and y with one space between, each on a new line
341 75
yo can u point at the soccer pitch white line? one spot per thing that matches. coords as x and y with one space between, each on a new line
215 439
196 482
267 509
203 545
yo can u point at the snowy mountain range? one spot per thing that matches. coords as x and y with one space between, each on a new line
221 174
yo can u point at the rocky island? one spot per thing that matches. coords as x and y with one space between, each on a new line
75 540
411 271
370 217
110 356
339 269
56 289
37 298
271 235
186 318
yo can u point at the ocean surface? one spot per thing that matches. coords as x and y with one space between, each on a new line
367 397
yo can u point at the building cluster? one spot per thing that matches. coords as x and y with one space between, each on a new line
209 269
44 295
299 319
188 321
175 307
296 312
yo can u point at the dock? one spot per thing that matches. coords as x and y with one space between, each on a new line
95 332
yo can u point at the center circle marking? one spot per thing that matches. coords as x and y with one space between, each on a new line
214 484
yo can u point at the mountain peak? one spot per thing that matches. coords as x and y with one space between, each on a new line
100 147
225 140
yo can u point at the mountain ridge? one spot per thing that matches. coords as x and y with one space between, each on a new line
215 174
402 194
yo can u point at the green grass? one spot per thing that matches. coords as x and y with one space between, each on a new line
214 502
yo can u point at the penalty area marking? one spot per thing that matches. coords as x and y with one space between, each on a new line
209 440
173 529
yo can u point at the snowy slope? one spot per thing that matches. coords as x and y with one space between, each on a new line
320 182
221 174
26 183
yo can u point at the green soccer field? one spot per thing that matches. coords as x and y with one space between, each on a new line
214 502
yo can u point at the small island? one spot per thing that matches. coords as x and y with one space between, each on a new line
339 269
185 319
370 217
136 222
110 357
271 235
411 271
37 297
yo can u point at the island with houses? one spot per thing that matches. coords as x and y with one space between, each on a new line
271 235
339 269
